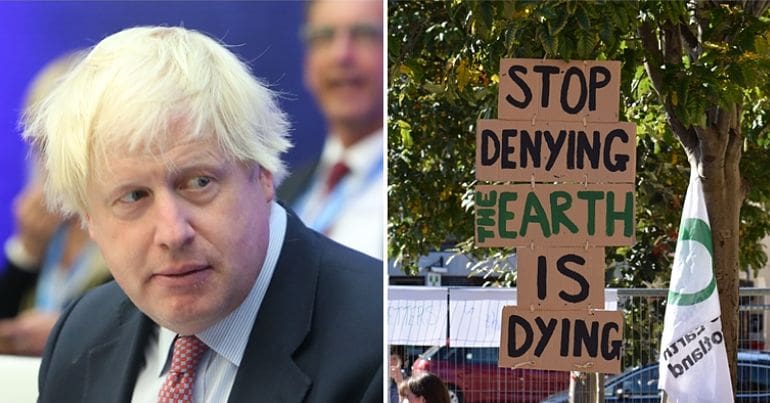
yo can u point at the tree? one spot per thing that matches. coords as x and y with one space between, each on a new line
694 80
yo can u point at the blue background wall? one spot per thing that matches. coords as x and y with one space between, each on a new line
34 33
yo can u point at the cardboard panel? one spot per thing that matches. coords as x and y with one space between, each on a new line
555 151
554 215
543 90
589 341
560 278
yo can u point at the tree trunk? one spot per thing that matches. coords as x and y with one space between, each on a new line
724 208
717 157
715 152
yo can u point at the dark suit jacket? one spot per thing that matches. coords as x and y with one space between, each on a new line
317 336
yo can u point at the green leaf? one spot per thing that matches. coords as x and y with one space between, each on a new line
550 43
406 134
566 48
581 15
556 25
583 46
434 88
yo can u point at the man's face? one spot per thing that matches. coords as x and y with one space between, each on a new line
184 232
343 66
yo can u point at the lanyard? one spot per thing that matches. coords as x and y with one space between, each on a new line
334 202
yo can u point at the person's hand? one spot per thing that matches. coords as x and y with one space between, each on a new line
27 333
395 369
34 223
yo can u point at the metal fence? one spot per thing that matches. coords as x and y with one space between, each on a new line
473 376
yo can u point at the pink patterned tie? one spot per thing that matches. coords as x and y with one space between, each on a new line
179 382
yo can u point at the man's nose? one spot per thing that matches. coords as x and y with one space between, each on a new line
173 229
343 46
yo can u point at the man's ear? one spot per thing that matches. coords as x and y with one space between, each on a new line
89 224
265 178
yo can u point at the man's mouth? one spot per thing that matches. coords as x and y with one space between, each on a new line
345 83
183 275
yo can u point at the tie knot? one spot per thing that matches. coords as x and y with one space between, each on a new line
187 352
338 171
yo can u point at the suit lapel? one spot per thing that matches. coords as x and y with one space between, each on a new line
268 371
113 367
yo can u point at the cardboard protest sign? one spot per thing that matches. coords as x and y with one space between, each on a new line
558 122
561 340
564 278
554 215
555 151
546 90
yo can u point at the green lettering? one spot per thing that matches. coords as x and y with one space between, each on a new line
485 214
591 196
558 218
485 217
505 215
483 234
534 213
626 215
488 200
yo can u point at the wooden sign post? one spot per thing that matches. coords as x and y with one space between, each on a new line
559 134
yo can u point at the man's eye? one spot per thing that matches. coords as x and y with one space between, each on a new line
361 34
366 33
199 182
318 36
133 196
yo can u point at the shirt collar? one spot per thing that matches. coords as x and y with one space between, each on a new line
229 336
358 156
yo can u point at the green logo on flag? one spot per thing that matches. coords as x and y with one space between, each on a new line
695 229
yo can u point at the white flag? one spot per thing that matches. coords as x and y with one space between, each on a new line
693 358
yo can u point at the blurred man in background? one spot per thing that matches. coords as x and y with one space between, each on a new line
342 194
50 261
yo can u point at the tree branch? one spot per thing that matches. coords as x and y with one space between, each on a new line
652 64
756 7
672 53
715 136
693 44
726 119
653 56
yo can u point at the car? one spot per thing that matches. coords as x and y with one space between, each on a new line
640 384
472 376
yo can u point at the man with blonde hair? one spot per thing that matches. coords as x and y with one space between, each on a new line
169 149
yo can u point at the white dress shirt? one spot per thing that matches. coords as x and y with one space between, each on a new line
353 213
226 339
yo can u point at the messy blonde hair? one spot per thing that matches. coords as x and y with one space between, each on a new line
132 88
41 85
